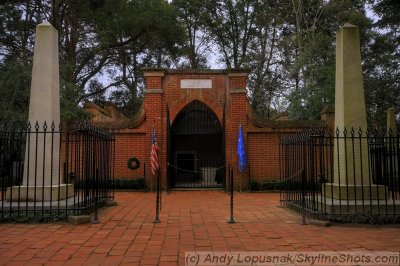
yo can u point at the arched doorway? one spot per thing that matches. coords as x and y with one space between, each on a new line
196 157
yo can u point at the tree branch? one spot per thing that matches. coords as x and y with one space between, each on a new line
98 91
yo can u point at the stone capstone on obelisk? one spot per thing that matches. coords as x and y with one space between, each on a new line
352 178
42 178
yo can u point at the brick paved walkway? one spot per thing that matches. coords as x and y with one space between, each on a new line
190 220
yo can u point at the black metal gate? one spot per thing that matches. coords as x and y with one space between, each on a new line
196 157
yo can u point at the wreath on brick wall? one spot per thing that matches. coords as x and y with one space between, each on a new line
133 163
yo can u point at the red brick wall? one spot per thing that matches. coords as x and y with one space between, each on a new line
263 155
262 150
127 146
228 93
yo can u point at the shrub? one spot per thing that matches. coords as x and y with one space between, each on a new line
130 183
254 185
8 182
268 184
119 183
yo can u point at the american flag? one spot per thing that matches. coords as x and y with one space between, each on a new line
153 154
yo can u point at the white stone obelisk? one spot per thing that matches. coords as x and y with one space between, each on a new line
350 109
43 153
42 178
351 164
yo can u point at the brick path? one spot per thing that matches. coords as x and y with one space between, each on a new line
190 220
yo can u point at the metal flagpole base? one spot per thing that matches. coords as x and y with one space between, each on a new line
231 220
158 199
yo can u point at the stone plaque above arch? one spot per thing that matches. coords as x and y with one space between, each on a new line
196 84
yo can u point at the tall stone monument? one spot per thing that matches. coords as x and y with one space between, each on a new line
352 178
42 178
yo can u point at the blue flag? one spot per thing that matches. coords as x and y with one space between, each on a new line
241 151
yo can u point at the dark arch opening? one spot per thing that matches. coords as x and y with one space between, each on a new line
197 157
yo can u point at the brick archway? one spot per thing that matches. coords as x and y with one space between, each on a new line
176 107
196 155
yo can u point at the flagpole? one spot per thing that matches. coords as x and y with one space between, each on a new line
155 171
240 181
160 196
157 220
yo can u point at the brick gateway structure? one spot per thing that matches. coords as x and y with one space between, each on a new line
196 114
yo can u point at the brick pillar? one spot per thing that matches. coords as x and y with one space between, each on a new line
153 103
328 116
237 109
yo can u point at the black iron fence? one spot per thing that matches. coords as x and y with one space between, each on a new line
344 176
48 172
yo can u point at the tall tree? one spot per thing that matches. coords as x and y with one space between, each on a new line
198 42
231 23
314 24
382 61
265 59
17 22
141 33
99 40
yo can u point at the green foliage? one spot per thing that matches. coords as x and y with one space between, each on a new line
382 79
125 101
70 111
313 67
382 62
133 163
254 185
267 185
288 45
45 216
129 183
14 93
6 181
196 46
98 40
388 12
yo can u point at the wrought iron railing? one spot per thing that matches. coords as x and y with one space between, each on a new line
347 176
48 172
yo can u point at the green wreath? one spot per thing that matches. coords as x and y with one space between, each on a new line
133 163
